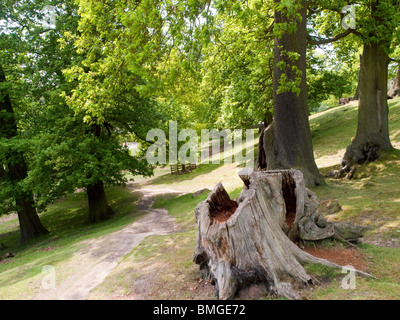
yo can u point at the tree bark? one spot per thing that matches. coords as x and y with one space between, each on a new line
29 222
357 94
394 90
99 210
287 142
250 242
30 225
373 124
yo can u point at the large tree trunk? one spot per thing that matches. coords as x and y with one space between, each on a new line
357 94
251 241
99 210
30 225
373 124
287 142
394 90
29 222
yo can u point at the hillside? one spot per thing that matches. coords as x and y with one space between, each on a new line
161 266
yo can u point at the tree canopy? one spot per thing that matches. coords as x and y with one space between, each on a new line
83 77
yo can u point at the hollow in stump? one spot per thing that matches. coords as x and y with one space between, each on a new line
251 241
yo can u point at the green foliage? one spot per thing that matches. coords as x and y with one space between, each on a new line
32 60
237 70
376 22
77 158
147 34
111 70
290 10
287 65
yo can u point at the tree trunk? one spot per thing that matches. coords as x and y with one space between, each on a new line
99 210
373 124
249 242
30 225
287 142
394 90
357 94
29 222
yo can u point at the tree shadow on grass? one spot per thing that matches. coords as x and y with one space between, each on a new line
386 164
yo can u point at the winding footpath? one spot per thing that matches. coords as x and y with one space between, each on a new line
92 264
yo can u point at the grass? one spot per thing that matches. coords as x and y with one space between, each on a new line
168 179
68 227
161 267
378 181
167 257
206 175
383 264
370 199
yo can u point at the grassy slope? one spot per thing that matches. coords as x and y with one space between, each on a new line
371 199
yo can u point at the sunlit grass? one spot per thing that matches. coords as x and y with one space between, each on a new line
165 261
370 199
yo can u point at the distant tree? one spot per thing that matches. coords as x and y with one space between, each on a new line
13 170
329 75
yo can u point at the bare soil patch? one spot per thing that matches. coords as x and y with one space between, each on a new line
342 256
223 214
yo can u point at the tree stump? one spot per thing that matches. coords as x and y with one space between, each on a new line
250 241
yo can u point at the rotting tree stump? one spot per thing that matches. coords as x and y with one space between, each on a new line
251 241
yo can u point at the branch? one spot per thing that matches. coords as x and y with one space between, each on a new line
312 41
46 30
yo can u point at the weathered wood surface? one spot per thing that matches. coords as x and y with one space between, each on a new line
251 241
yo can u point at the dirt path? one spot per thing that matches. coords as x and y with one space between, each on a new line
91 265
